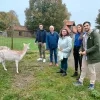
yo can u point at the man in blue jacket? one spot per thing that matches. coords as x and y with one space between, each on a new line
52 44
41 39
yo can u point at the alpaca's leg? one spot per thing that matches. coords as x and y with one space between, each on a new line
16 66
3 64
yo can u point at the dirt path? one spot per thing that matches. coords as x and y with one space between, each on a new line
71 63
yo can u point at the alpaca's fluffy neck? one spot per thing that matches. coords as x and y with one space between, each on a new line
23 52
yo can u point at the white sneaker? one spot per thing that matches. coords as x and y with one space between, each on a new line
39 59
44 60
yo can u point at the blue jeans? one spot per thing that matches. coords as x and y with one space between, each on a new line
53 51
64 64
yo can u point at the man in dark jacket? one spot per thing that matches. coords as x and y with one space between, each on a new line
52 44
91 54
41 39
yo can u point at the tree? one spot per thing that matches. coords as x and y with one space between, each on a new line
12 18
2 21
47 12
2 26
98 20
7 19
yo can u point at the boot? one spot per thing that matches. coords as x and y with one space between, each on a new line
78 78
61 71
75 74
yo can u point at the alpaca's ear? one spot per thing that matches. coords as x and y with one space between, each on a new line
24 44
28 43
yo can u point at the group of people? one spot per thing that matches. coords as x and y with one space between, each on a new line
85 47
57 44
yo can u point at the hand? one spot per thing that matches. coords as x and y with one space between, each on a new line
80 52
60 49
84 53
43 44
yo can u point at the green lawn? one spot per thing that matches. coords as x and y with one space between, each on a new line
38 81
18 42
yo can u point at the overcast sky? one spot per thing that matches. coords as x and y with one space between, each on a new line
81 10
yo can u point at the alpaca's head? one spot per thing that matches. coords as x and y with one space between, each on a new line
26 46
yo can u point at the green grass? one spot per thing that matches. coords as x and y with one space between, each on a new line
38 81
18 42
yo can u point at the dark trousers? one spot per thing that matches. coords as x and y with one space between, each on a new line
77 58
53 51
41 48
64 65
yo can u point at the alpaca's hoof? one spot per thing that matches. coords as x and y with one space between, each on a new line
5 69
17 72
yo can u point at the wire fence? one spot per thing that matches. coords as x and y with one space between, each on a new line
16 40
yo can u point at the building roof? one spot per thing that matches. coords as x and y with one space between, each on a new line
69 23
20 28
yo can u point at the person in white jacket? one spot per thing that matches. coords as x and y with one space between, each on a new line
64 47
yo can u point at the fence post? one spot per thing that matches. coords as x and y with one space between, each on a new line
12 31
12 39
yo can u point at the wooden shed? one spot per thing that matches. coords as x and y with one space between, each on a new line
69 25
21 31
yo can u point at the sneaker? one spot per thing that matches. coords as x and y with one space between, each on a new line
57 65
64 74
78 83
91 87
39 59
75 74
50 64
44 60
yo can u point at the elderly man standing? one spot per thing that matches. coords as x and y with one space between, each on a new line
91 54
52 44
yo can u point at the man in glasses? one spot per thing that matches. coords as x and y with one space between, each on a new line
91 54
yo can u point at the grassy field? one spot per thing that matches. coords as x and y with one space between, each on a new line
18 42
38 81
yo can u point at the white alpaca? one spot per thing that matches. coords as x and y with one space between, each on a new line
4 47
13 55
